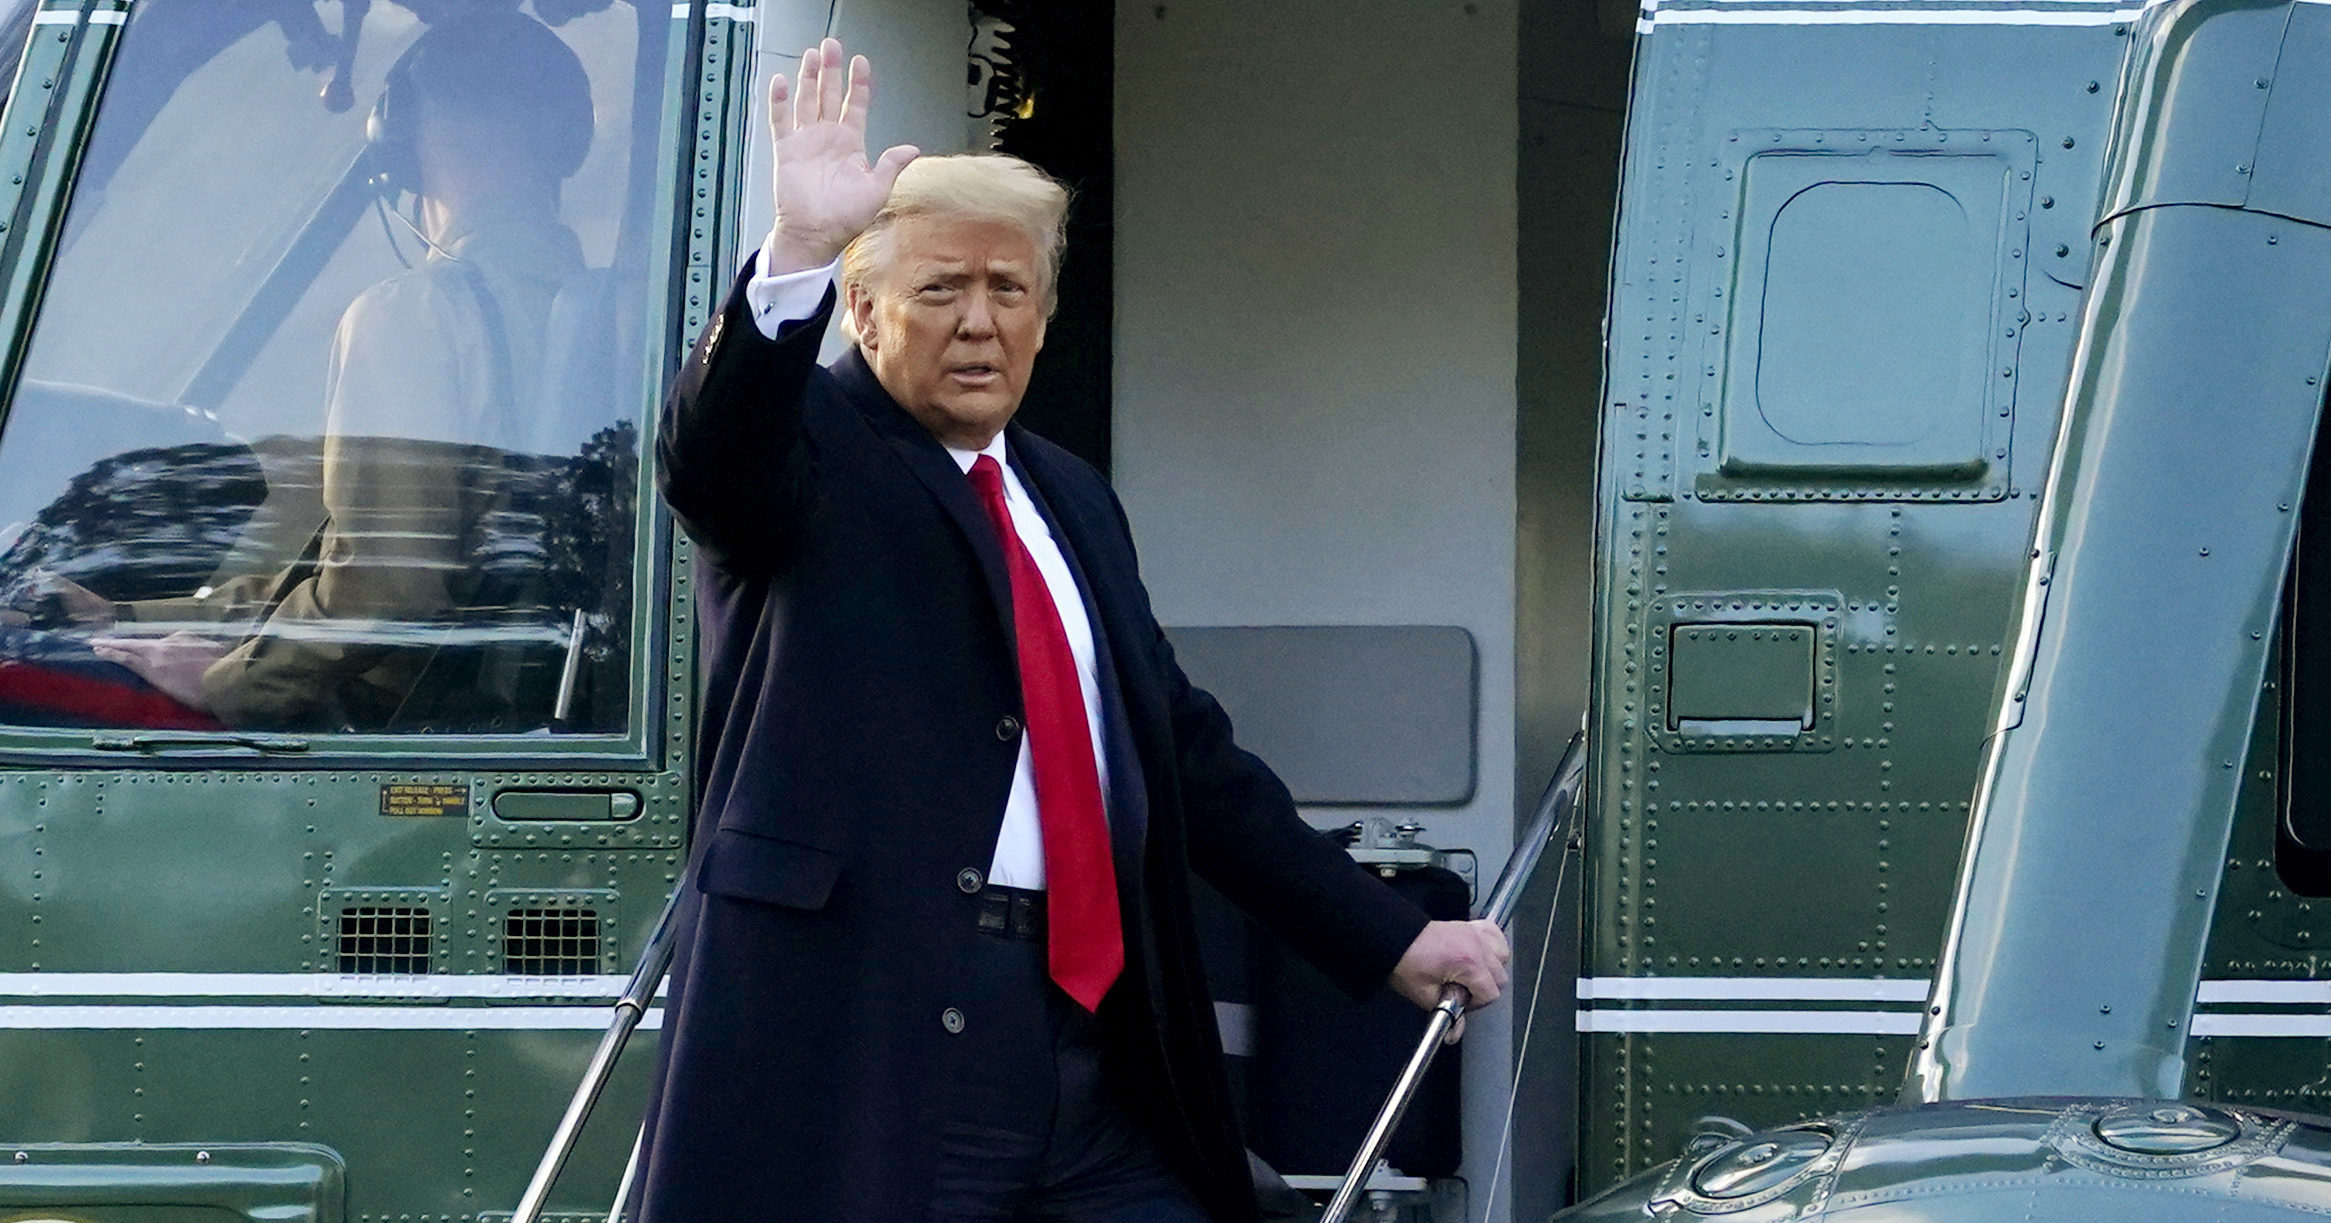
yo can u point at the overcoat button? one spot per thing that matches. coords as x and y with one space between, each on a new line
969 880
1008 729
951 1019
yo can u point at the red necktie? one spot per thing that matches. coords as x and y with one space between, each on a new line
1086 945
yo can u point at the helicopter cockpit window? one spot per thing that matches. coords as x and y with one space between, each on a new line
15 27
330 420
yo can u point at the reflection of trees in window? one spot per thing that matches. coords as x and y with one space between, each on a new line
558 544
579 512
551 548
602 499
144 524
15 28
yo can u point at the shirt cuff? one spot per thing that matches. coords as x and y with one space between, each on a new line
789 297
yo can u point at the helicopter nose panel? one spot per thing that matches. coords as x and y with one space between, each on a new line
1759 1164
2062 1160
2168 1129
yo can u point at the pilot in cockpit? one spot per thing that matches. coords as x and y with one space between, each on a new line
431 389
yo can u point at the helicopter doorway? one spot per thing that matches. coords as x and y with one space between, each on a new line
2302 841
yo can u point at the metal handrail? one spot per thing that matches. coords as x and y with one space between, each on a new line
653 963
1555 810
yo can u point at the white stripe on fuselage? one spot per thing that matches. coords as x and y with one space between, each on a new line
1913 12
1869 1023
1789 989
1594 1018
349 986
320 1017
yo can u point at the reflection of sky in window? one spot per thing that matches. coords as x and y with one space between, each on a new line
156 266
15 28
206 199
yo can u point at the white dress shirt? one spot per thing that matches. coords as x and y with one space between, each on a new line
1019 857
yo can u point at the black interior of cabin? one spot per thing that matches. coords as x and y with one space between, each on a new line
2302 856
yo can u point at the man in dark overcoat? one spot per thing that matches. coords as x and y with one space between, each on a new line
937 959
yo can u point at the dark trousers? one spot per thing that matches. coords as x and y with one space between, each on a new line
1035 1132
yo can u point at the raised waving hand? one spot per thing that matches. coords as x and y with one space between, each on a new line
826 192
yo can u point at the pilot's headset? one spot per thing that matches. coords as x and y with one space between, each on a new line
505 64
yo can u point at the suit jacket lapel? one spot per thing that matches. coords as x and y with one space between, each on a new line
931 464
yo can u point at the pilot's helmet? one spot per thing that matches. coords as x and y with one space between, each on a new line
502 67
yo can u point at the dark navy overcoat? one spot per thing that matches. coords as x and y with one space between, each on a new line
860 727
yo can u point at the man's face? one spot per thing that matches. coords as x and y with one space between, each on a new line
952 325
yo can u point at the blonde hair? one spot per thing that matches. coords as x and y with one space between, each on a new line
981 186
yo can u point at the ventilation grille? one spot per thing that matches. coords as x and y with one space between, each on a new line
550 942
384 939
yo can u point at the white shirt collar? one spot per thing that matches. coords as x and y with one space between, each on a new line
994 450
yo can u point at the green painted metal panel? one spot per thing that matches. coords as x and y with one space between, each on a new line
1763 916
1873 272
2178 147
1709 628
2166 536
1760 673
163 1183
2170 535
1789 892
2288 177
